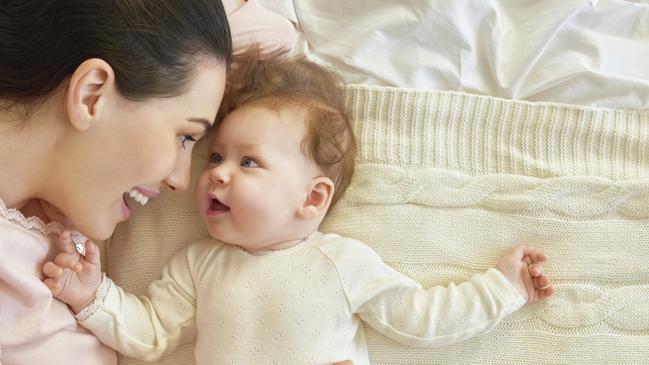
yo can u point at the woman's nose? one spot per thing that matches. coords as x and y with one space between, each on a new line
180 177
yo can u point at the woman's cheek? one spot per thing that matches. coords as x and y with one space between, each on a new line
160 160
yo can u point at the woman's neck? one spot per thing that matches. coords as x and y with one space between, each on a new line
25 147
45 211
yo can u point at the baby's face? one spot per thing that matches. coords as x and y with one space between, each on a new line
256 178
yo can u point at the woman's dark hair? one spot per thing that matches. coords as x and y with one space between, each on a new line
152 45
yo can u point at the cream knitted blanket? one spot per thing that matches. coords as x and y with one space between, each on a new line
446 182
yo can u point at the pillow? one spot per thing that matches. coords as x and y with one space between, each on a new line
445 183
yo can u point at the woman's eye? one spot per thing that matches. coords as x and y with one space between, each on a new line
216 158
186 138
248 162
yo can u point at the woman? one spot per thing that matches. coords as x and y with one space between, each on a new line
97 99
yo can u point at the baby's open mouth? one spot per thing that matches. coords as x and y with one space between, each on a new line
218 206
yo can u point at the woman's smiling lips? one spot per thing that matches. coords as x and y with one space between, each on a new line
140 195
149 192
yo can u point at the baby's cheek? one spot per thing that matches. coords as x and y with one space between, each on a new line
258 213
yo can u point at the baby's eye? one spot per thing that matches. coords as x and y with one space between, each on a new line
186 138
248 162
216 158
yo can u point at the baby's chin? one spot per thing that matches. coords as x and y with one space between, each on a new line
242 239
221 236
212 231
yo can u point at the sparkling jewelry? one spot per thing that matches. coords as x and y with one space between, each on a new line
79 242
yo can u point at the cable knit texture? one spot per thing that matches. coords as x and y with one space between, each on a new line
446 183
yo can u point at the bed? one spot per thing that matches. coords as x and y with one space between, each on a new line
481 124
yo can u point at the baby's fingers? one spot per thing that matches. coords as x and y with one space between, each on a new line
547 291
544 287
66 244
54 277
68 261
542 282
52 270
536 270
92 253
538 257
53 285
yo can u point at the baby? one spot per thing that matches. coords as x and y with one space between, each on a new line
267 287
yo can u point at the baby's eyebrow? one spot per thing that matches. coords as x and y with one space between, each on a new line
204 122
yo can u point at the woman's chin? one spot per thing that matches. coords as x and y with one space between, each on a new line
98 227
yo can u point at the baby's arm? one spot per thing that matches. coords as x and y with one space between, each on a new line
143 327
401 309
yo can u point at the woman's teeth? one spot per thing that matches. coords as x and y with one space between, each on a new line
138 197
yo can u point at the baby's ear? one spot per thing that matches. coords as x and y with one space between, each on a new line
317 199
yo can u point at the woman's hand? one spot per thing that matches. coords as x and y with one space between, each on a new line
72 278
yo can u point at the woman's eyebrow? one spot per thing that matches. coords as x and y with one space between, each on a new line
204 122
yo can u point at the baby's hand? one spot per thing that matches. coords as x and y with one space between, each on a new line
524 269
73 278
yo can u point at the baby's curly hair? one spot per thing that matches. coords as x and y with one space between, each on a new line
277 82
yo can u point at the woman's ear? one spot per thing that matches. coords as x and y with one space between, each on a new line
89 86
317 199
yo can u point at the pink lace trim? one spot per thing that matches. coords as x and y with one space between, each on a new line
32 224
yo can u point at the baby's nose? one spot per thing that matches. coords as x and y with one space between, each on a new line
220 175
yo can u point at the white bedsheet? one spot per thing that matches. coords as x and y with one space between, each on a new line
591 53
